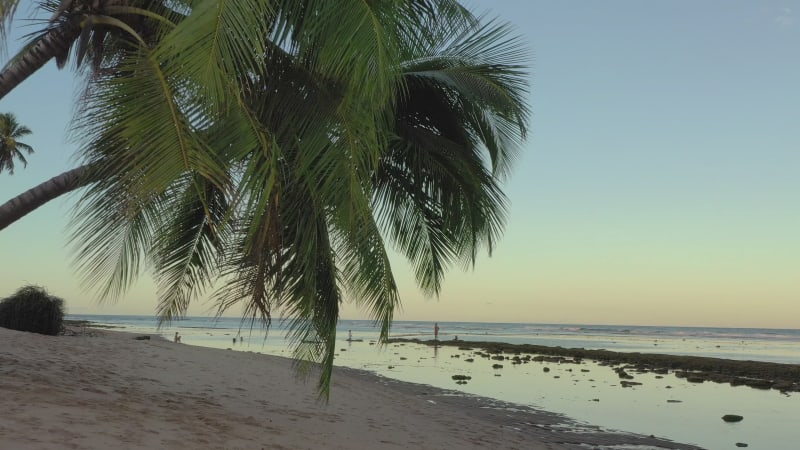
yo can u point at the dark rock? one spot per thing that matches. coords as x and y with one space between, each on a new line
497 366
732 418
461 377
546 369
469 360
741 444
760 384
142 338
624 375
674 401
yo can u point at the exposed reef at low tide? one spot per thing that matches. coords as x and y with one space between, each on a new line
697 369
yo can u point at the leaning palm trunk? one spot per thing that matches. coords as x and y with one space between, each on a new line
19 206
55 43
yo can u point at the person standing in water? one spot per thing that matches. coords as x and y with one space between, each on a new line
436 331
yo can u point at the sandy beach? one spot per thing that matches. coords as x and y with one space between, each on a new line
103 389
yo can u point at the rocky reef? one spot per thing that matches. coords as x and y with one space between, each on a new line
697 369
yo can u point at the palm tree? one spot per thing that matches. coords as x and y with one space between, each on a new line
281 146
19 206
90 29
10 146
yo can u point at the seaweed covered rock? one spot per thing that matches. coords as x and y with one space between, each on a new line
32 309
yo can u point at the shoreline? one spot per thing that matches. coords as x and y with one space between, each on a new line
695 369
105 389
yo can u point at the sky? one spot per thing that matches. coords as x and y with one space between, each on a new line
658 186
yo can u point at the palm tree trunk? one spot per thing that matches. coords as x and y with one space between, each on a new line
19 206
56 42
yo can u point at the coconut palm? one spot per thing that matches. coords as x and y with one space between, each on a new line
19 206
281 147
88 29
10 146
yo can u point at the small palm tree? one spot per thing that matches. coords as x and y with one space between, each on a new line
10 146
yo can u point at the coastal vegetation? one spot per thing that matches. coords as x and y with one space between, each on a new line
32 309
11 148
270 153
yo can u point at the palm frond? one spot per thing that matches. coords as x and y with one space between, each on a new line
460 111
7 10
189 244
141 119
484 66
312 296
219 44
112 235
364 263
138 123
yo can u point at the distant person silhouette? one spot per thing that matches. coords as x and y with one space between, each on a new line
436 331
177 338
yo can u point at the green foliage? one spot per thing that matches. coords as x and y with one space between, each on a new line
10 146
32 309
278 149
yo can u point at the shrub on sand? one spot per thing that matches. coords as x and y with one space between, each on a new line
32 309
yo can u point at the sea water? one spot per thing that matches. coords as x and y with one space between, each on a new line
667 407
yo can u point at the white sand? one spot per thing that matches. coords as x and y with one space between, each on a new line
110 391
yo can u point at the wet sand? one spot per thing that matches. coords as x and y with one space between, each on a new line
104 389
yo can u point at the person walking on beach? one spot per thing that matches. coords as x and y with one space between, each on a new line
436 331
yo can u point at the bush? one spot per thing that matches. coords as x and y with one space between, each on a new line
32 309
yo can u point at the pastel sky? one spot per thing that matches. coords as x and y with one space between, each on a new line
660 184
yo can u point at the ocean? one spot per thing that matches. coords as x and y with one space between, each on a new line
667 406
